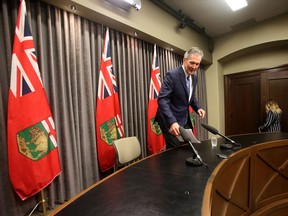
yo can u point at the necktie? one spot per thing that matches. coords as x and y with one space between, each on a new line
188 87
188 84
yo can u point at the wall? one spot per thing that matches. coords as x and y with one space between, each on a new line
264 45
151 23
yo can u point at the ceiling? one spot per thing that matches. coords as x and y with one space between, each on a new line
214 17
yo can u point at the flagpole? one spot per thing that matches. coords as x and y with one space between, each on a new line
44 205
43 200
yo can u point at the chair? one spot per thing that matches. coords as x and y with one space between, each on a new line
127 150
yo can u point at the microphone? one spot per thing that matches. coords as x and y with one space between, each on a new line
216 132
196 160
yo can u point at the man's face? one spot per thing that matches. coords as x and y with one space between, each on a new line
192 63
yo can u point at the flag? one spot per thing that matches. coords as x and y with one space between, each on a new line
32 145
155 139
192 119
108 114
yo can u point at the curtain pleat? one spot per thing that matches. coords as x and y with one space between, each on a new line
202 134
68 50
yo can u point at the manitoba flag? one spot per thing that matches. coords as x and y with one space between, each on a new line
32 147
155 139
108 114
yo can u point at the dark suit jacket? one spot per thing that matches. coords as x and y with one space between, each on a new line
173 105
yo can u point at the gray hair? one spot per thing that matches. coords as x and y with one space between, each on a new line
193 51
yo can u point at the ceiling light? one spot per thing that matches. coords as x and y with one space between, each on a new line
126 4
236 4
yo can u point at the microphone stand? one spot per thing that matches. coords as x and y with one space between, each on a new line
195 160
225 145
229 145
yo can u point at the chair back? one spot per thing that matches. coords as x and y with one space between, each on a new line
127 149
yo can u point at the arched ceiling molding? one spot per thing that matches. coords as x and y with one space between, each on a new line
254 48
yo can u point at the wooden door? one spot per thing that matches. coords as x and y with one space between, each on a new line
275 86
242 103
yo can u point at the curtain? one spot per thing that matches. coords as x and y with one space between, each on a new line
202 134
68 50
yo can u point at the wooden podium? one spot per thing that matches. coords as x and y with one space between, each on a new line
252 181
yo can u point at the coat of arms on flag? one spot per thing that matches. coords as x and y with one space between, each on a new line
155 126
37 140
111 130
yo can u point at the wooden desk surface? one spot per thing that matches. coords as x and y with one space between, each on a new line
159 185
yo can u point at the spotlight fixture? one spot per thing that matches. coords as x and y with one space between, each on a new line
182 23
135 3
126 4
73 8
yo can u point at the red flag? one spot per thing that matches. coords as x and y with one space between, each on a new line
155 139
108 114
32 147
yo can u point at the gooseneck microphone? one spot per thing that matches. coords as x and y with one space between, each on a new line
196 160
216 132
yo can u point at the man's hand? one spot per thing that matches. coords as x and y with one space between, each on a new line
174 129
201 113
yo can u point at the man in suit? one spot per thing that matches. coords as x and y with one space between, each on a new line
177 93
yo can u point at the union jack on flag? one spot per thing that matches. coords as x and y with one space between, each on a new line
155 84
107 80
24 61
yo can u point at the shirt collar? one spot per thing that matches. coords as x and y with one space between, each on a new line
185 73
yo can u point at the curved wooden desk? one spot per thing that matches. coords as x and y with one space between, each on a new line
159 185
252 181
